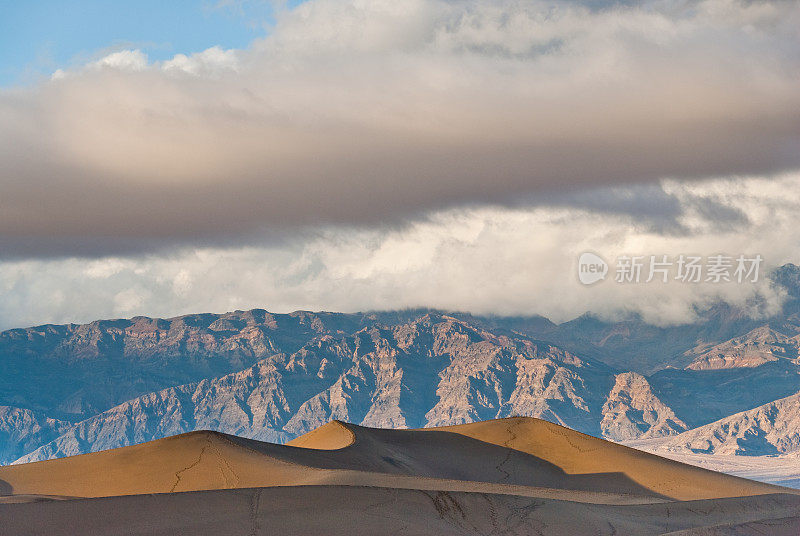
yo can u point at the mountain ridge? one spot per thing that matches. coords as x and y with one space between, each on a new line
770 429
78 388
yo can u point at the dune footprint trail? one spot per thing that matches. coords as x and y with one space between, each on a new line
507 476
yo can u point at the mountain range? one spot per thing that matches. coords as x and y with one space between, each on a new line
725 382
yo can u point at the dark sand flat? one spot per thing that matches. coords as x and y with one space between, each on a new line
345 510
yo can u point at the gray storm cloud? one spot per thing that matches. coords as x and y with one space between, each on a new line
483 260
357 113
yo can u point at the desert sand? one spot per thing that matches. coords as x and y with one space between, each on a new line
508 476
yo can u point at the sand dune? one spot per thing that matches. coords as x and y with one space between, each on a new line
517 472
578 453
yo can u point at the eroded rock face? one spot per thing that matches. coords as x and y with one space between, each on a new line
752 349
22 430
273 377
435 370
773 428
80 370
633 411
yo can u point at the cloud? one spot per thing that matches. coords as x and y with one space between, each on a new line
358 113
211 62
483 259
128 60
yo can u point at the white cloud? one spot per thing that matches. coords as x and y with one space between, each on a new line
128 301
182 283
211 62
484 260
124 60
104 268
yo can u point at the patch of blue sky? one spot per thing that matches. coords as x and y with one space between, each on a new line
37 37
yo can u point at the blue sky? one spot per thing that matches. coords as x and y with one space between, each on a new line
38 37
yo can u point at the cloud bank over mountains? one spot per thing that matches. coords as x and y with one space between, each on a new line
365 113
378 154
484 260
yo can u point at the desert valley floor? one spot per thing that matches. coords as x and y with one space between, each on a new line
508 476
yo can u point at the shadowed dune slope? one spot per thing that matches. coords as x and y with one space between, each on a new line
572 452
578 453
501 456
